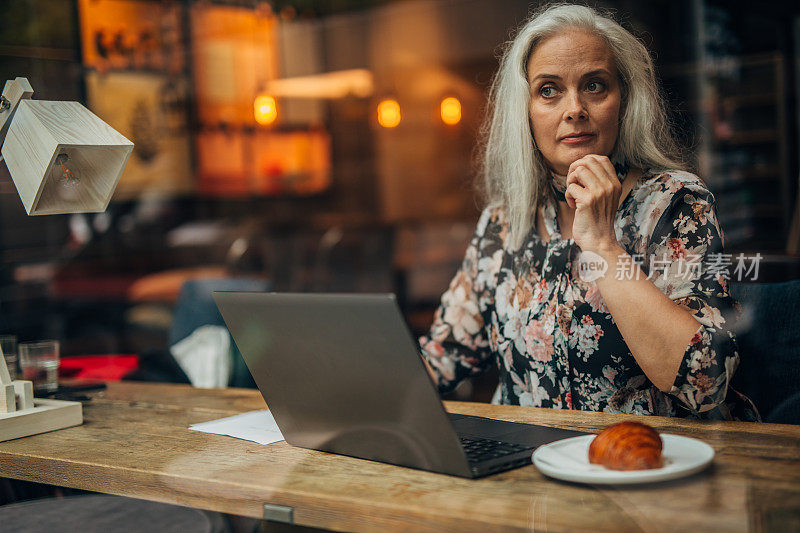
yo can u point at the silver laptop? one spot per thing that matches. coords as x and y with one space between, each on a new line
342 374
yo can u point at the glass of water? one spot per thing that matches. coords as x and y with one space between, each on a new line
39 363
8 343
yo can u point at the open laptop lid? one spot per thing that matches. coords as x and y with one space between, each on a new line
341 373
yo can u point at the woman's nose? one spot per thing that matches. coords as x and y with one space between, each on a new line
575 110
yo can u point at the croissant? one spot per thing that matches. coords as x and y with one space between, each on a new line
627 446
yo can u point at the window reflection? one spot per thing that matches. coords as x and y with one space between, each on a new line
327 147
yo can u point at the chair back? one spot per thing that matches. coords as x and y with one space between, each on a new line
196 308
768 332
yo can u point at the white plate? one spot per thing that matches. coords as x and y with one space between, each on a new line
568 459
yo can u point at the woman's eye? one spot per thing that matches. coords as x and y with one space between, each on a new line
547 91
595 86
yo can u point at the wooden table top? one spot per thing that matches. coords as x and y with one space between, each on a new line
135 442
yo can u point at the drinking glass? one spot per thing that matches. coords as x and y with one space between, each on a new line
8 343
39 363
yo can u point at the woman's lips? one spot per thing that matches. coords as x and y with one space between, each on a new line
578 139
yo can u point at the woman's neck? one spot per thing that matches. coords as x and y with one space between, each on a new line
558 179
558 184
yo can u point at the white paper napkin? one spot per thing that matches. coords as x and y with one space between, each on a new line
256 426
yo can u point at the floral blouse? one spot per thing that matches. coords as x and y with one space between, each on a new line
550 333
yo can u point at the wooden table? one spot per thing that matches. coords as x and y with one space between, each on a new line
135 443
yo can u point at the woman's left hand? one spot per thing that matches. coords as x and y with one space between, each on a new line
593 190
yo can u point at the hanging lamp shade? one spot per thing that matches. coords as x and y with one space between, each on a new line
63 158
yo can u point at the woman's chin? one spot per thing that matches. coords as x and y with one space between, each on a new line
572 154
564 162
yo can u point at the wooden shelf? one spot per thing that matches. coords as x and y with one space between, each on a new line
770 172
750 137
746 100
694 68
40 52
740 101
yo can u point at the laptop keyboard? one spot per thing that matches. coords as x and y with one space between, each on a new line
479 450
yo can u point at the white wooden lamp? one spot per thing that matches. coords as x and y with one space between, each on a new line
62 159
61 156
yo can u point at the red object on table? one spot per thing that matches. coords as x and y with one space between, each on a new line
101 367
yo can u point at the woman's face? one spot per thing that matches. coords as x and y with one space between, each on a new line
575 98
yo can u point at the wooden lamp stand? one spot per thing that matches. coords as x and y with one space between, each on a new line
22 415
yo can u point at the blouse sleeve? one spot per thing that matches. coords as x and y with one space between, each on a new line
456 347
686 262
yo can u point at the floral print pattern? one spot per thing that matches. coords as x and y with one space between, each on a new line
550 333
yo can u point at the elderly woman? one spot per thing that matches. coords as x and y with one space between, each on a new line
590 280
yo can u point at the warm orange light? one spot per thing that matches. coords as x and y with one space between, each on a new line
389 113
266 109
451 111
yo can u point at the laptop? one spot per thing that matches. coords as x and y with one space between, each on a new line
341 373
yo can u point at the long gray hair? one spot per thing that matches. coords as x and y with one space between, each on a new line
513 170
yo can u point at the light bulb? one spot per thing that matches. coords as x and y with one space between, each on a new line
389 113
265 109
450 109
64 172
